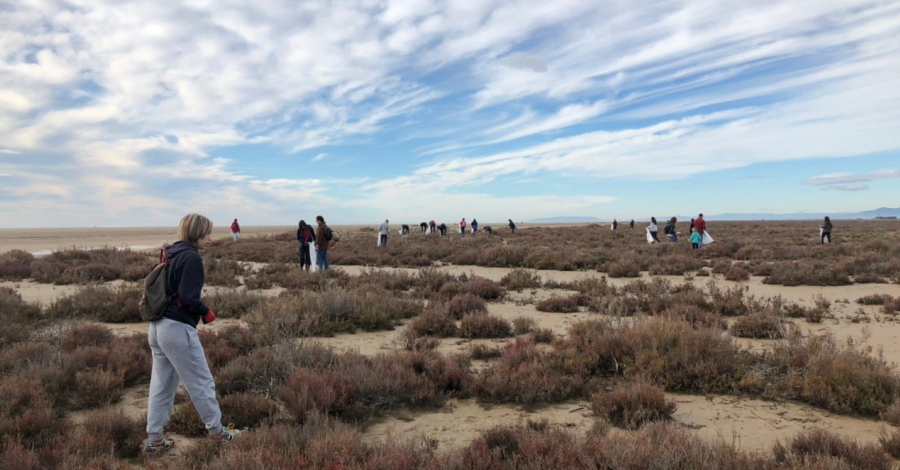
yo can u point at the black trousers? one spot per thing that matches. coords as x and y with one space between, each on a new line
305 259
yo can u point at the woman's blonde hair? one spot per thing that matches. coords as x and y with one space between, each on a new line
193 227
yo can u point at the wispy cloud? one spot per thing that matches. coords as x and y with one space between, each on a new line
850 181
319 157
10 152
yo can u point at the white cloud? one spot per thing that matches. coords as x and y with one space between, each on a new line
319 157
10 152
845 178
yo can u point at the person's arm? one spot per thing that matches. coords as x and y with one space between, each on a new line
190 286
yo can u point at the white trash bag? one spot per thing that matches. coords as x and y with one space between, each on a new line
649 236
707 239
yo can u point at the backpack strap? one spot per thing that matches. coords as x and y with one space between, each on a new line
164 259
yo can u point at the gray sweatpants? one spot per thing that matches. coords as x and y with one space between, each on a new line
178 354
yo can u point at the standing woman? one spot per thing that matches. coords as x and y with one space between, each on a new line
304 238
826 230
177 353
653 229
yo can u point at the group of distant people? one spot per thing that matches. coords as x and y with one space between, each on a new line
384 230
697 229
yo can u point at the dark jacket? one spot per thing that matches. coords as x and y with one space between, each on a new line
305 237
670 228
321 242
185 277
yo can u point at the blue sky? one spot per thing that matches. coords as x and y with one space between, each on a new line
133 113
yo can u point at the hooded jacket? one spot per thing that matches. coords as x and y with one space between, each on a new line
321 242
185 277
235 227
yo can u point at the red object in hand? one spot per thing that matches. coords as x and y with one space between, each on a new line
209 317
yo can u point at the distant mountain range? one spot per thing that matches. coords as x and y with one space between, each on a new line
880 212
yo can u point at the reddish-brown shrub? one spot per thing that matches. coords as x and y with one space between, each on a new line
694 315
477 286
737 273
542 335
484 352
232 303
523 374
818 443
633 405
484 326
15 265
97 388
874 299
431 323
757 325
891 415
523 325
521 278
112 429
559 304
891 443
246 410
461 305
186 421
100 303
623 269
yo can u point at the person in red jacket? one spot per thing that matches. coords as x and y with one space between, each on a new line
700 225
462 226
235 230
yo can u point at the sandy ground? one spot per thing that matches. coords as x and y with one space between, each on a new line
749 424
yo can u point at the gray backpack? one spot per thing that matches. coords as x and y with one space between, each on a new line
155 300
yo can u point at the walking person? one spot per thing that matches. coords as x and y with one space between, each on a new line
512 226
691 228
462 226
175 345
670 230
632 224
383 232
323 240
653 230
700 225
305 236
474 226
235 230
696 238
825 230
615 224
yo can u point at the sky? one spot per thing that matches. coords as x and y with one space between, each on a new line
134 113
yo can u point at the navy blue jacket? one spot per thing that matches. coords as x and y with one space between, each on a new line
185 276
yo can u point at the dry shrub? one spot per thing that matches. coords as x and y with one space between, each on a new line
484 326
461 305
892 307
85 335
246 410
26 413
817 444
623 269
868 279
20 318
477 286
874 299
891 415
17 457
758 325
560 304
358 387
812 273
694 315
264 370
484 352
331 311
15 265
112 429
702 273
542 335
221 272
521 278
233 303
842 379
891 443
523 325
186 420
100 303
432 323
390 280
737 273
90 266
97 388
524 374
633 405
